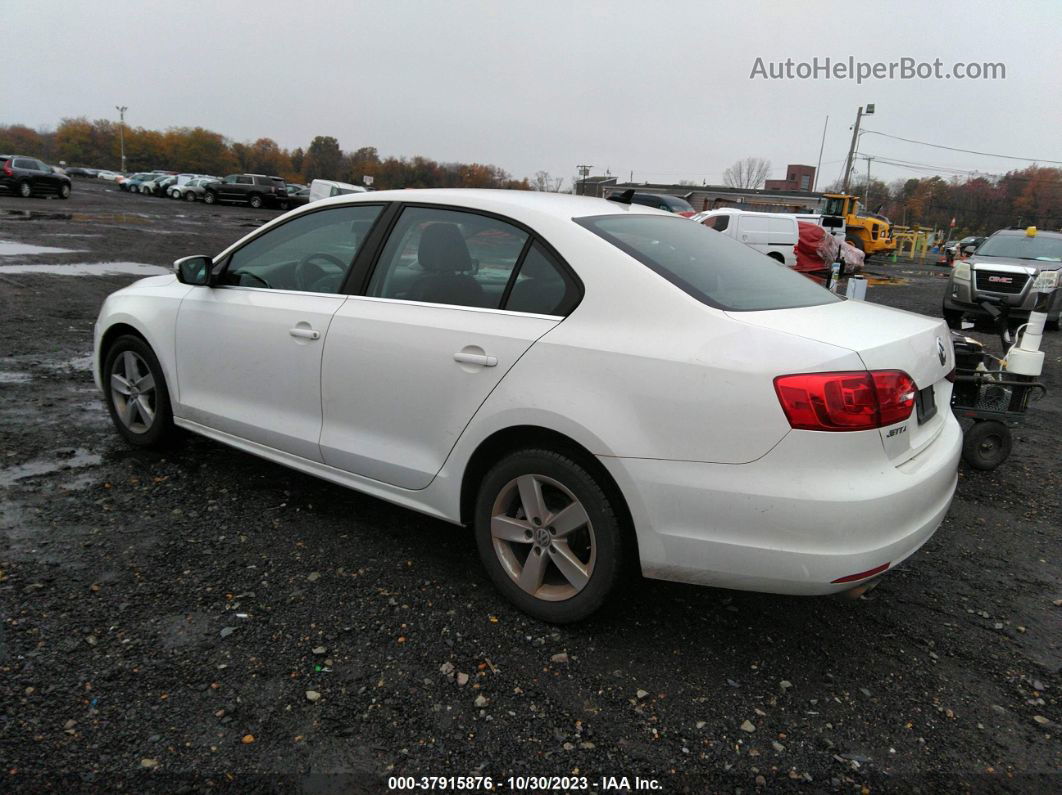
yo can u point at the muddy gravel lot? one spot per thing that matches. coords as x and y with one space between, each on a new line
204 620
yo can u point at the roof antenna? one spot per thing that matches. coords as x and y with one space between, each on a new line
623 198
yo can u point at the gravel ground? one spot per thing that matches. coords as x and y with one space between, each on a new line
203 619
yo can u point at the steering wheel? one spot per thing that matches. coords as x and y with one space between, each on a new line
307 272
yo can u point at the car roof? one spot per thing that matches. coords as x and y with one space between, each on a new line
558 205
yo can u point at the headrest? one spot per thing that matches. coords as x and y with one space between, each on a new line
442 249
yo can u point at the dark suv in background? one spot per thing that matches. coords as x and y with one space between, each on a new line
26 176
254 189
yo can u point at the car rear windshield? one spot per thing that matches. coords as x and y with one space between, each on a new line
1040 247
713 268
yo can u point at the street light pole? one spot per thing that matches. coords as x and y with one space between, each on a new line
121 130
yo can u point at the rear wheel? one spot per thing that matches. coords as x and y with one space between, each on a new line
255 201
137 398
987 445
549 535
25 190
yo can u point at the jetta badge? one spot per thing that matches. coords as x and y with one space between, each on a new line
942 352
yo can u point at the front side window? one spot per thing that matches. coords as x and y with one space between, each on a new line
312 253
230 179
715 269
443 256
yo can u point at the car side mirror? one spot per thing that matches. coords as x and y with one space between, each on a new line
193 270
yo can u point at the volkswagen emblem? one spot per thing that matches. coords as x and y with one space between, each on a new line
942 352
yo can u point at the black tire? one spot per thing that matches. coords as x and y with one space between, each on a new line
857 242
777 257
25 190
209 197
64 191
986 445
1051 324
255 201
604 533
189 196
160 430
953 317
283 206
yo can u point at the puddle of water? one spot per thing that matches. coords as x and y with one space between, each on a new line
9 248
83 363
18 378
79 459
38 215
91 269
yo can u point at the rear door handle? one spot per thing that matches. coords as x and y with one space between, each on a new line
476 358
305 333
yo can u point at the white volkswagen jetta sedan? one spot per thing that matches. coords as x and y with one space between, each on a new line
593 386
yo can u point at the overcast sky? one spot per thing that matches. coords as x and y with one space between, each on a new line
660 89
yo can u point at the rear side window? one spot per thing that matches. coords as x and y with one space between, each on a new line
443 256
715 269
542 285
31 165
244 181
717 222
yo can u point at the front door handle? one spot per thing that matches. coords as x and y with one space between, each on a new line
476 358
305 333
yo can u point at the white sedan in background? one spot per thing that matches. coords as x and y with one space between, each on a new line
595 387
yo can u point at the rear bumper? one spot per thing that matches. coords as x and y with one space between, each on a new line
812 511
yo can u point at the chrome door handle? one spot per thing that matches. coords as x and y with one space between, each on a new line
305 333
476 358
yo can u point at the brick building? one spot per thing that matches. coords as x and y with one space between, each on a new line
798 178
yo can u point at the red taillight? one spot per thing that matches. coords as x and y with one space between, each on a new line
849 401
7 168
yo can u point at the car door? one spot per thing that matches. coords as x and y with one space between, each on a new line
249 348
227 187
407 364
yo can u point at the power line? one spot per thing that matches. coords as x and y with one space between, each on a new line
967 151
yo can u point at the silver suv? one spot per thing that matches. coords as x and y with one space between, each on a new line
1002 271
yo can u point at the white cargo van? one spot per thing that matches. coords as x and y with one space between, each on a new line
773 234
326 188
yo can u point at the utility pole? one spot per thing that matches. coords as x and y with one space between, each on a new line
851 149
818 168
584 172
121 129
866 189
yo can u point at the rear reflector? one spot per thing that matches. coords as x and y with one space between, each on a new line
846 401
863 574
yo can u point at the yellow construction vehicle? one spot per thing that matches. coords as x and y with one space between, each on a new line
867 232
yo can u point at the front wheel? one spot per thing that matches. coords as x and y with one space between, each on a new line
986 445
953 317
64 191
189 196
25 190
136 394
209 198
550 536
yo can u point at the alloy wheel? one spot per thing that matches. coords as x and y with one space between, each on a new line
543 537
133 392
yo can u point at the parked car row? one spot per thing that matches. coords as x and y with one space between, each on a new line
26 176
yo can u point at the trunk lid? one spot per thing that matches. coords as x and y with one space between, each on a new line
884 339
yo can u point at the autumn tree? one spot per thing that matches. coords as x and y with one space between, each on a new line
323 159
